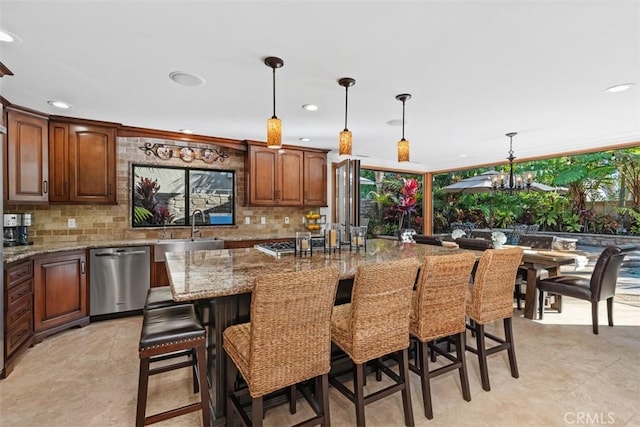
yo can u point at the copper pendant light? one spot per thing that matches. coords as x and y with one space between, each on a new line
403 144
274 124
346 138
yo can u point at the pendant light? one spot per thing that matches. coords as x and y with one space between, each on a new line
403 144
346 137
274 124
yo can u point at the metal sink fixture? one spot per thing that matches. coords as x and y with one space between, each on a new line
184 245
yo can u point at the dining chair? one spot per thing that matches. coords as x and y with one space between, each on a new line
438 311
474 244
490 298
287 341
516 232
375 324
600 286
427 240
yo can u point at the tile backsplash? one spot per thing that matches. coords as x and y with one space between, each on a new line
113 222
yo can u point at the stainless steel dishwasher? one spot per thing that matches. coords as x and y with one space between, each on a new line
119 279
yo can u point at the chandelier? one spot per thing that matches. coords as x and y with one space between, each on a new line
511 183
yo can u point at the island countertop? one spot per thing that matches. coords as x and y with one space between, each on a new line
215 273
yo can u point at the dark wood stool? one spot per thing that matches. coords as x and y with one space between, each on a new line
161 296
166 331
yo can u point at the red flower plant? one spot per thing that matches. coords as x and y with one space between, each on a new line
409 190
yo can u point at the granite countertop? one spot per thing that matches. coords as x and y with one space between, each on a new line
210 274
17 253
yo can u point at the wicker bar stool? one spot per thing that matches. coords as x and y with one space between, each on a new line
165 332
376 324
288 341
438 311
490 298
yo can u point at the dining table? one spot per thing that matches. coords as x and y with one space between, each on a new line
537 260
223 279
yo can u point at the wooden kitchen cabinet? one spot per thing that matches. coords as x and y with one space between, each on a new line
60 298
18 312
315 179
27 165
82 162
283 178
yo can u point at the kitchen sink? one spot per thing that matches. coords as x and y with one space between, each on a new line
183 245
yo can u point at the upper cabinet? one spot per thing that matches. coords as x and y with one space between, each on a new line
315 179
285 177
82 162
27 154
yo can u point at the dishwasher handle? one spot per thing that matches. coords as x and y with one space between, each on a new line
119 253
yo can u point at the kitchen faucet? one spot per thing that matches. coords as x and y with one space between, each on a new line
193 222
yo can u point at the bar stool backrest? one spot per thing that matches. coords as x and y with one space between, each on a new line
291 327
380 306
439 302
492 290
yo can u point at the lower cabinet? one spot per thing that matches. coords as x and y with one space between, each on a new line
60 298
18 313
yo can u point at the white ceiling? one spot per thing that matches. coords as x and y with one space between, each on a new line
476 70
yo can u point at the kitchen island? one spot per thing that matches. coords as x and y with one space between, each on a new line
224 278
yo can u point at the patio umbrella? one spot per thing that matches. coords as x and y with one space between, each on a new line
483 183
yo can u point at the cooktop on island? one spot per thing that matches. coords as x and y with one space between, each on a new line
288 247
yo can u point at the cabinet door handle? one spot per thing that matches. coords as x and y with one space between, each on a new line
110 189
306 195
45 184
82 269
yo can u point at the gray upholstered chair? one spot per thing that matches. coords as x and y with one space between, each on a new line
600 286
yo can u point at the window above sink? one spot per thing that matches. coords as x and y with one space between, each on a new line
167 196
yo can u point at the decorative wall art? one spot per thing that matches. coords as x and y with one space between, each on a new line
187 154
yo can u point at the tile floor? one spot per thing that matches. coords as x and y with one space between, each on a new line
568 376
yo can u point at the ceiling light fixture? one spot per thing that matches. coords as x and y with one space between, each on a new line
187 131
619 88
516 182
186 79
60 104
403 144
346 138
274 124
305 139
310 107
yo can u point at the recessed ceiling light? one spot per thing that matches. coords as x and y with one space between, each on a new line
619 88
305 139
189 131
463 155
186 79
60 104
6 37
396 122
310 107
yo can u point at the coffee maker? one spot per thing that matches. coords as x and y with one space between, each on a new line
23 228
11 223
16 229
